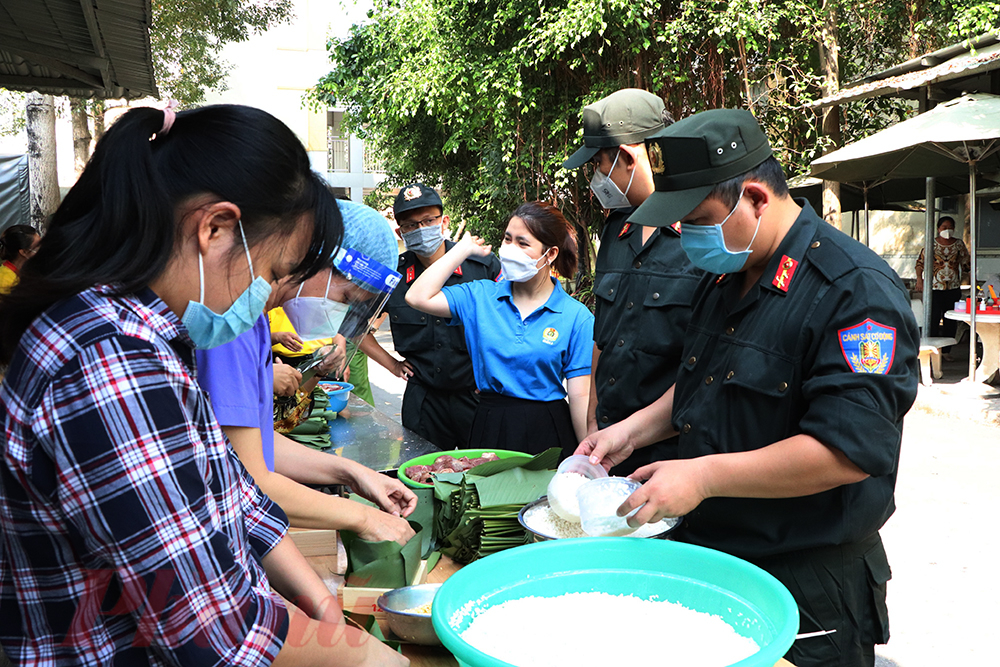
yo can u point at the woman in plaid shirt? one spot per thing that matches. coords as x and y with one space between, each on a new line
129 531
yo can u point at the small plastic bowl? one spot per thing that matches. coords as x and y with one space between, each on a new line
599 501
568 509
410 626
337 393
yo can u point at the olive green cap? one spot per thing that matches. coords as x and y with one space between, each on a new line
625 117
689 158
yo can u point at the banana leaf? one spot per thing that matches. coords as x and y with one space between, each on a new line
382 564
516 486
476 511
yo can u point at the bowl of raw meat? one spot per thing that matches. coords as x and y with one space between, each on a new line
418 473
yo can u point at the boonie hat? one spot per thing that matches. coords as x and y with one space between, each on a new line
414 196
625 117
689 158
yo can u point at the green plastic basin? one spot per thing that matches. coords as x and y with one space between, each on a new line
428 459
749 599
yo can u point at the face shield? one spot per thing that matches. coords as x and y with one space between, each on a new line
365 293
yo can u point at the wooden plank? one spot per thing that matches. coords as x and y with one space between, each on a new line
359 600
314 542
445 568
420 577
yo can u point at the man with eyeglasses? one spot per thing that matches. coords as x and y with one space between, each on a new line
440 398
643 280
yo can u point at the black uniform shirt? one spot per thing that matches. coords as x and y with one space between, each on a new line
437 351
643 305
833 357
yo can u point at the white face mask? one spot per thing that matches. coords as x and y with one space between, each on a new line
607 192
518 266
945 233
315 317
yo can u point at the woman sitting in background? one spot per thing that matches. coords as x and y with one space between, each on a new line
525 335
17 244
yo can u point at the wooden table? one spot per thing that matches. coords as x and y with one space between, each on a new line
987 329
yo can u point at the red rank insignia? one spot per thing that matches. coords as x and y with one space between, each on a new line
783 277
411 274
676 227
719 279
458 271
624 231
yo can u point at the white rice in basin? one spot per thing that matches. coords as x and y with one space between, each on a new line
600 629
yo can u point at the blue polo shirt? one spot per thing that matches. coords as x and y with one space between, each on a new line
240 383
524 359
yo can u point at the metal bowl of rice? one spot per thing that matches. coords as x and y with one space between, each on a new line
544 524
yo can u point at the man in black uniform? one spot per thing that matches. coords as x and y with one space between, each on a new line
440 398
643 280
800 363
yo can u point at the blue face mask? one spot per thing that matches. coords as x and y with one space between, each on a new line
705 246
209 329
424 241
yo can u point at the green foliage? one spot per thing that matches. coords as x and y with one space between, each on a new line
12 116
484 96
188 35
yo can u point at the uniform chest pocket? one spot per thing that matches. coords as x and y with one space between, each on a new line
411 329
606 290
607 287
408 316
693 353
762 373
665 291
665 314
760 390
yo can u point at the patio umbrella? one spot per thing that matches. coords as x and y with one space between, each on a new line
958 137
876 195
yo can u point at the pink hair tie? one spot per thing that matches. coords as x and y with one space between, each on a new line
169 116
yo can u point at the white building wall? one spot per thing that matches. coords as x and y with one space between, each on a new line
274 71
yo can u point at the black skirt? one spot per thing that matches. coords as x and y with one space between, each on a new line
520 425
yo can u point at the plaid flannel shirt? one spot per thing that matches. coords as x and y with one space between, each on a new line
131 534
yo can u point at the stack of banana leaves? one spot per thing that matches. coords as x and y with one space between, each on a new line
476 511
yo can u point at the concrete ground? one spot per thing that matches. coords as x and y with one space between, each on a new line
943 542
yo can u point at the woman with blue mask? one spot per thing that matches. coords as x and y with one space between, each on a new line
525 335
239 380
116 478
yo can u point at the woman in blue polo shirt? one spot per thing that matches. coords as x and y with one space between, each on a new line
524 333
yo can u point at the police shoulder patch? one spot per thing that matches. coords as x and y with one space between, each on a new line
868 347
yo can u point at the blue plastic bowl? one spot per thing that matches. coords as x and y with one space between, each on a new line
338 398
749 599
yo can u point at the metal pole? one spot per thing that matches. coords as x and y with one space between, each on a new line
972 272
929 234
868 227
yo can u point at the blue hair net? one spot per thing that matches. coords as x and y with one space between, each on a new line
368 232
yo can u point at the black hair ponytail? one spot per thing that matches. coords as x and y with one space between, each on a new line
116 225
15 239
